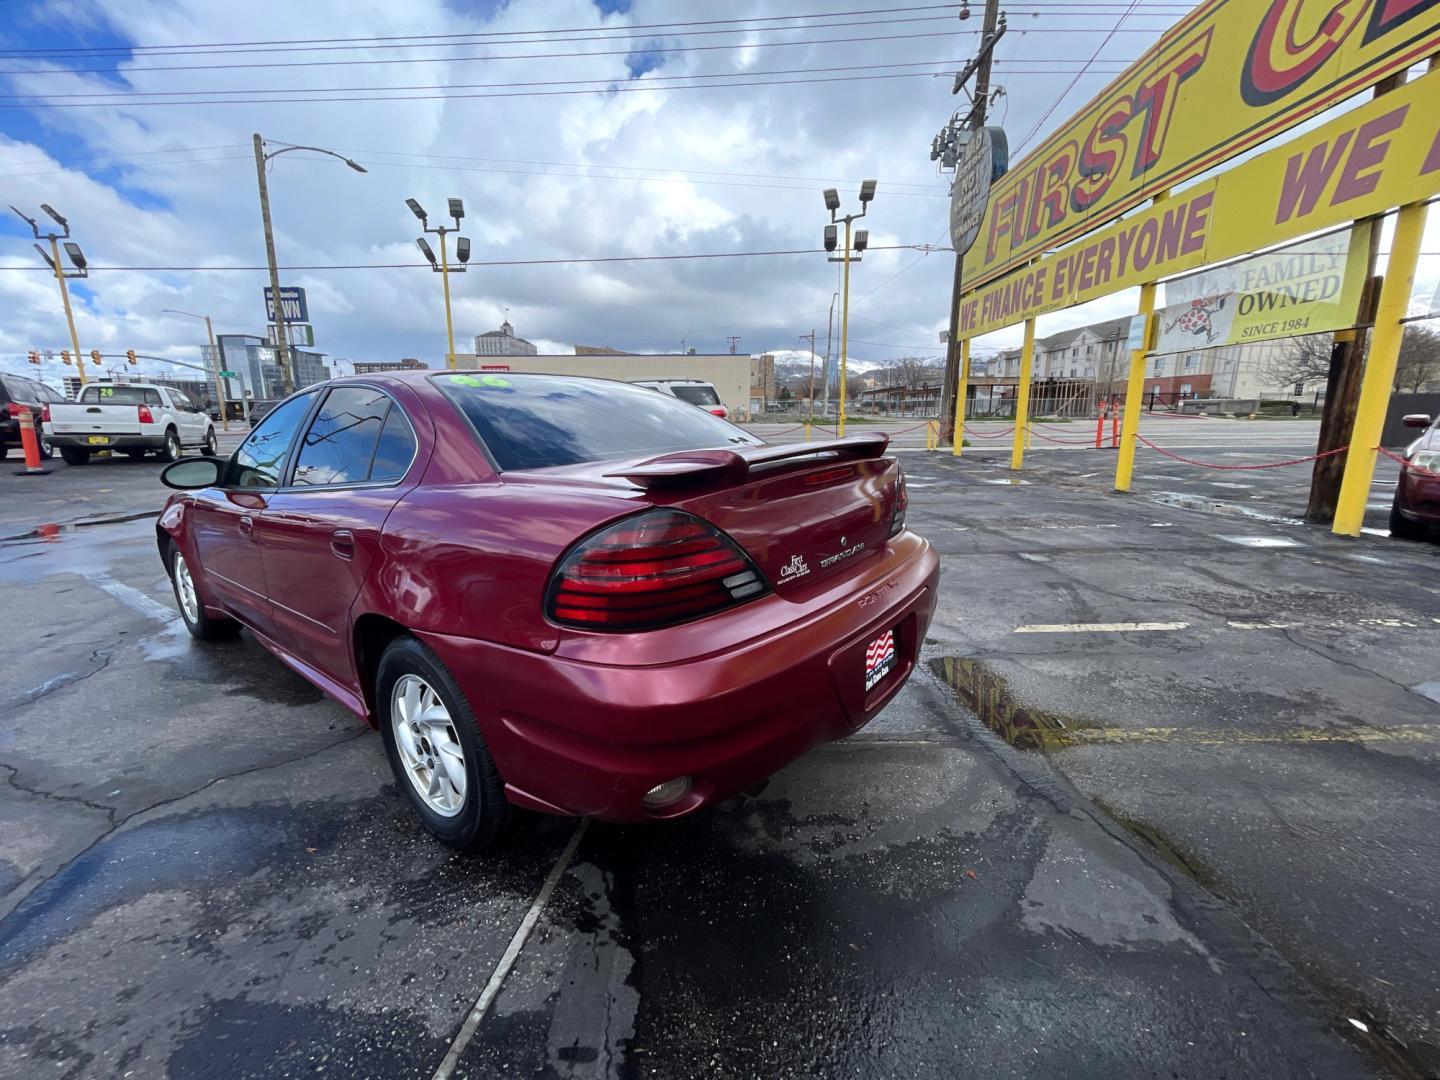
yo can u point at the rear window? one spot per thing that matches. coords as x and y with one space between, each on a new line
539 421
121 395
696 395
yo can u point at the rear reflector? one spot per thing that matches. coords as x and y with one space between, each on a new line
655 569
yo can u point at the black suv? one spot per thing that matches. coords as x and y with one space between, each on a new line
17 393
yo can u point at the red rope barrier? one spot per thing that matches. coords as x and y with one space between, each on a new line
1416 469
969 433
1239 468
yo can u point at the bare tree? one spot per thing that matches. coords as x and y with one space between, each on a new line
911 372
1419 363
1304 359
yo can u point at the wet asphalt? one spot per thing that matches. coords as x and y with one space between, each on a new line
205 869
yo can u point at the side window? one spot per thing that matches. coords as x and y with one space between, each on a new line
261 457
341 441
396 449
152 396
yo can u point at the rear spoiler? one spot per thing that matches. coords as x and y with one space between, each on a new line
733 466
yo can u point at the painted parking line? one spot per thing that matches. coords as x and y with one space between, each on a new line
1410 733
508 958
132 597
1098 627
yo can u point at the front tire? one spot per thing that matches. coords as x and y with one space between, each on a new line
1402 528
211 446
46 450
436 751
171 450
202 627
74 455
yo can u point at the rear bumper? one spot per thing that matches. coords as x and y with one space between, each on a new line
573 737
114 442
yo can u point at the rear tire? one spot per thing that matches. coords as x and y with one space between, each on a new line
46 450
1402 528
202 627
417 701
172 449
74 455
211 446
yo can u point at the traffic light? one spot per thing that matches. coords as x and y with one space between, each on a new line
65 356
130 356
34 356
95 356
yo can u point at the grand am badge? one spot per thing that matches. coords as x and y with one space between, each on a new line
844 553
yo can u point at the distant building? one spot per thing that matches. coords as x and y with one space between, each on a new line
370 367
762 382
253 360
503 342
201 391
599 350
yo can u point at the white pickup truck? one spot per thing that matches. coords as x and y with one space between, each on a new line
133 419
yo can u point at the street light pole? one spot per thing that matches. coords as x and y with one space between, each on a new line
861 240
442 267
65 301
282 341
844 335
214 360
76 256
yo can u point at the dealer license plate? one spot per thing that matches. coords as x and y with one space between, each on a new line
98 440
879 659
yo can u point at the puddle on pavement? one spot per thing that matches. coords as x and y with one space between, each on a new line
1160 842
989 697
1218 506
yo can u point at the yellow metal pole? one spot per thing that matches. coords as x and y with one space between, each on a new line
69 315
844 335
1022 398
1134 391
962 388
1379 375
449 324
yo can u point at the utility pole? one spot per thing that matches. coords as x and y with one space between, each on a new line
734 341
282 338
215 361
829 331
991 31
810 337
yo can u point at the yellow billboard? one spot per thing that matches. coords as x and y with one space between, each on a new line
1309 287
1380 155
1229 76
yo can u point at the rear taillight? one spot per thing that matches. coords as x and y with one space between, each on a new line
13 409
656 569
720 411
45 413
902 502
145 416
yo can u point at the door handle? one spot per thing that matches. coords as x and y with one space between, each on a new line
247 525
342 544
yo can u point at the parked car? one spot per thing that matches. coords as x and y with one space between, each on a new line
697 392
1416 508
571 595
134 418
17 394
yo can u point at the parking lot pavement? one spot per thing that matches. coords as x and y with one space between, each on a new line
205 868
1254 700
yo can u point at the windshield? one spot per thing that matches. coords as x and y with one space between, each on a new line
696 393
538 421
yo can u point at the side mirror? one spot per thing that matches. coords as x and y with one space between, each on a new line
1416 420
190 473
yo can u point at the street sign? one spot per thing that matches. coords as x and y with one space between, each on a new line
1135 340
229 374
292 301
296 333
984 160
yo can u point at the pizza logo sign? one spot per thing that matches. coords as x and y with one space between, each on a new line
1288 48
1198 318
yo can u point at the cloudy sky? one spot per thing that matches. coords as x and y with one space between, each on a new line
713 132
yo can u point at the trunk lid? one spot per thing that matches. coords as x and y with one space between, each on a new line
82 417
804 512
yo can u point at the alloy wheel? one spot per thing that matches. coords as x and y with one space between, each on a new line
185 589
429 746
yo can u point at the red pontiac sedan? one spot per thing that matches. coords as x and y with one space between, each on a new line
571 595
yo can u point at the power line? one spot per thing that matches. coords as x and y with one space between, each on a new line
480 262
468 59
1066 92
